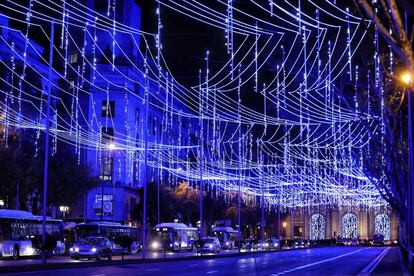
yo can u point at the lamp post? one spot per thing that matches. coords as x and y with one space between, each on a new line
408 80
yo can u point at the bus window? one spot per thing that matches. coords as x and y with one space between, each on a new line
5 231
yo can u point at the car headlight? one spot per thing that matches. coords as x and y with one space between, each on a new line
266 244
227 243
210 245
71 249
93 249
77 249
170 244
155 245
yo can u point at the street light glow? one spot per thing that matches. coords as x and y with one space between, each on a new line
407 78
111 146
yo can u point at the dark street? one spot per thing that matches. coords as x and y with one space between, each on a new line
317 261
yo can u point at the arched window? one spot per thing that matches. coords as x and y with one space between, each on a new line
317 227
350 226
382 225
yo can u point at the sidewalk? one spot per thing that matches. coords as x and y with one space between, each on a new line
387 265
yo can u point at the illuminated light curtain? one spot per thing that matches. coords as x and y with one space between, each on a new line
317 227
382 225
350 226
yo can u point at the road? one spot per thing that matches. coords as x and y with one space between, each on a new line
138 256
315 261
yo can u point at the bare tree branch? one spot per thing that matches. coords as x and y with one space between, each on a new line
401 46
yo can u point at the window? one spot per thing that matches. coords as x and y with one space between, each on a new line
382 225
73 58
350 226
297 231
108 109
317 230
106 169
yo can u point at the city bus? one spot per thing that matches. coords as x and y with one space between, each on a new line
226 235
174 236
111 230
19 229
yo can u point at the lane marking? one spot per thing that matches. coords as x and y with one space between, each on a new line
193 265
316 263
213 271
153 269
375 262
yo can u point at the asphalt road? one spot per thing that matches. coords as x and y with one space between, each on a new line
316 261
66 259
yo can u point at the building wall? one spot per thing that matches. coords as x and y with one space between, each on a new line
333 218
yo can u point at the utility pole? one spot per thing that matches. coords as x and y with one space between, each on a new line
146 135
46 163
262 224
239 166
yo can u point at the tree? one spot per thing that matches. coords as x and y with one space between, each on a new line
389 23
22 163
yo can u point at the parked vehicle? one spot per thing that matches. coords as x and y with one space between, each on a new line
21 232
227 236
210 244
92 247
299 243
366 242
250 244
271 244
174 236
378 239
116 233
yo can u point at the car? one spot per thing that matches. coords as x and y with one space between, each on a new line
250 244
271 244
366 242
210 244
92 247
298 243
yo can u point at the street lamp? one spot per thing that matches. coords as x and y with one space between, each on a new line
63 209
111 146
284 224
408 80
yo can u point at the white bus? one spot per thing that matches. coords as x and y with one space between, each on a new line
226 235
111 230
18 229
174 236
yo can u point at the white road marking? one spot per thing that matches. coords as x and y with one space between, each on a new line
153 269
212 271
193 265
372 265
315 263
